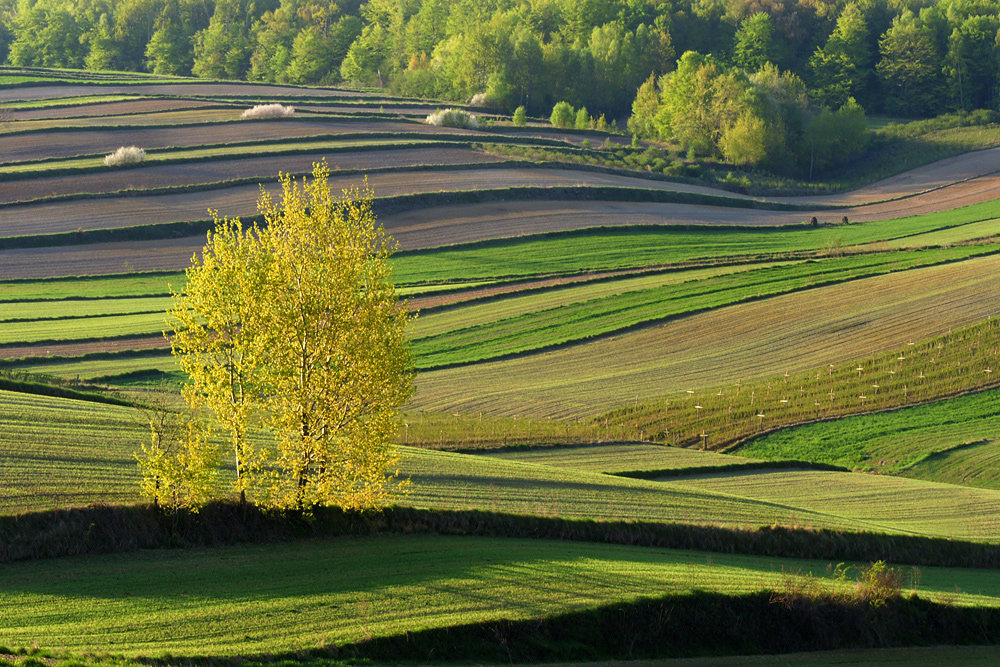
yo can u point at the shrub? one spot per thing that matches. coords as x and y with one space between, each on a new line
878 583
453 118
266 111
582 121
563 115
124 156
520 116
479 100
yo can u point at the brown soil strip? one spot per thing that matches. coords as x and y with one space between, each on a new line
154 176
179 89
107 109
76 349
43 145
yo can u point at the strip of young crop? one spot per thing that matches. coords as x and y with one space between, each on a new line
531 331
963 360
75 309
257 600
792 332
896 442
98 287
636 247
88 328
435 321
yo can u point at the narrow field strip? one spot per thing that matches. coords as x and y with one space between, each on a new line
194 116
617 457
58 310
87 328
904 504
897 442
574 322
102 287
173 88
785 333
64 452
443 319
918 372
40 355
256 600
99 105
151 176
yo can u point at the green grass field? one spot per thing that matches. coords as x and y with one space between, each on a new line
551 362
910 441
255 600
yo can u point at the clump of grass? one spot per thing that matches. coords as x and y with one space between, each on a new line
267 111
453 118
125 155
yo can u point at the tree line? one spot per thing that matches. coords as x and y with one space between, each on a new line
906 57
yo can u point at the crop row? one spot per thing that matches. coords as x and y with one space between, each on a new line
758 339
565 323
963 360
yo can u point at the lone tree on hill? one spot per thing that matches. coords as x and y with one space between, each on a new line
295 342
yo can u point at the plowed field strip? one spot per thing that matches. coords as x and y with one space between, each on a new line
107 109
167 117
213 88
157 342
786 333
157 176
45 145
111 213
929 177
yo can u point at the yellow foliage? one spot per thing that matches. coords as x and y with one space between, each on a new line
294 329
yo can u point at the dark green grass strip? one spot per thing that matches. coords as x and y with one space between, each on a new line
731 467
118 529
42 389
545 329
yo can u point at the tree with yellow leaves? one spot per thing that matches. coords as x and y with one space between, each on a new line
340 364
293 330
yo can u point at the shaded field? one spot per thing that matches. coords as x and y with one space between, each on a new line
790 333
64 452
255 599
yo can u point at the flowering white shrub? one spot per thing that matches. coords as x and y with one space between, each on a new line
125 155
453 118
265 111
479 99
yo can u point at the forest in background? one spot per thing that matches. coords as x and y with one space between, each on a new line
778 83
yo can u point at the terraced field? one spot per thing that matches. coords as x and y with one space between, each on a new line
569 315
